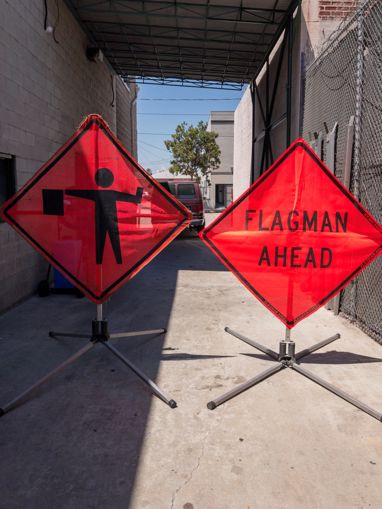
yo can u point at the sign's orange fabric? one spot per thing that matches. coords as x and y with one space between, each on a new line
94 213
296 237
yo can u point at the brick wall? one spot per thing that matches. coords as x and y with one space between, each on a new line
46 89
336 9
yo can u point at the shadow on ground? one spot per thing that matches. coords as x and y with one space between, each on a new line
77 442
330 357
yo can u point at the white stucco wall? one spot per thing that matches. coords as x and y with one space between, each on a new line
242 150
221 122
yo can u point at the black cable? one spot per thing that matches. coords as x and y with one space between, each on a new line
56 23
45 15
112 89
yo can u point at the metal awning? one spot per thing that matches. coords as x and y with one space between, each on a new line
205 42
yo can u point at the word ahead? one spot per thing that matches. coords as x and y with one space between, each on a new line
296 257
296 237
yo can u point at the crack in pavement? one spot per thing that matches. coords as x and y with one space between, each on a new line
214 424
187 481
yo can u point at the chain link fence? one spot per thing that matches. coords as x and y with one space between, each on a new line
343 102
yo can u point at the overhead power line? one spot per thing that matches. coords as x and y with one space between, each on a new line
170 134
179 114
157 161
162 149
187 99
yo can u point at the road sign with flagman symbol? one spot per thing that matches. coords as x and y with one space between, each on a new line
95 213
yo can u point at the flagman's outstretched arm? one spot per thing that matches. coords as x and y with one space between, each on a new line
134 198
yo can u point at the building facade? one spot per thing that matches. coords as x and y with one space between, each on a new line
217 193
47 86
269 115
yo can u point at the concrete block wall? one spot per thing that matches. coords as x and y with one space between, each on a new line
46 90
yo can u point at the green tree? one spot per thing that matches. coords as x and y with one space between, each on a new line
194 150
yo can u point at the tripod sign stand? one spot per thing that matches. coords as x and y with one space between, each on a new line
100 335
287 358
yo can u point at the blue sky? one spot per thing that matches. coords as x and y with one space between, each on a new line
161 108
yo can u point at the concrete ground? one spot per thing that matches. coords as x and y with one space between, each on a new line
94 437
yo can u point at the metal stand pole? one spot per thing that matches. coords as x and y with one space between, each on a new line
245 386
287 358
153 386
100 319
100 334
15 402
338 392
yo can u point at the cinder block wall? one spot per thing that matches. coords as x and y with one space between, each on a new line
46 89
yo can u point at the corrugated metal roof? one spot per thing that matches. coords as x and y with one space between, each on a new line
205 42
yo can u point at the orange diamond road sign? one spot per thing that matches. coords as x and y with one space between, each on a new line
296 237
94 213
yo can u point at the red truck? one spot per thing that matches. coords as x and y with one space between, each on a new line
188 192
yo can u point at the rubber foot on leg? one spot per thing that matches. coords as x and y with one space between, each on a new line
172 403
211 405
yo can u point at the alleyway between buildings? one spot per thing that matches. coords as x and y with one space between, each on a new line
94 437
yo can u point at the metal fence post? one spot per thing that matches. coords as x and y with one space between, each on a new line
358 127
358 102
346 182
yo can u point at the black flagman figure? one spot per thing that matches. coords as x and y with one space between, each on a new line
106 220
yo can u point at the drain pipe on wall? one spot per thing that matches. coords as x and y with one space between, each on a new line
132 104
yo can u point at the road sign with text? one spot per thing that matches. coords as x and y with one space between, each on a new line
296 237
94 213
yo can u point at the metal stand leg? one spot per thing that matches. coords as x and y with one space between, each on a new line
317 346
154 388
100 334
55 335
246 385
288 359
117 335
137 333
23 395
338 392
256 345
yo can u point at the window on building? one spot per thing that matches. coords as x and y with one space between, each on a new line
7 177
223 195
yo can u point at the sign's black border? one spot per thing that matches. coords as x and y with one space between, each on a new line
103 296
259 181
